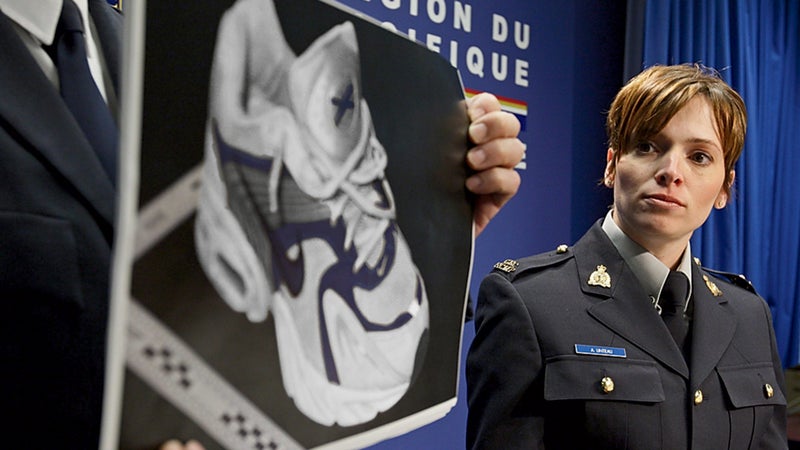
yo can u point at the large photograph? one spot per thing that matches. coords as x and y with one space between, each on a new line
296 217
304 240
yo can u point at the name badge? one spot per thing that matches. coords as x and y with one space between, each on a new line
597 350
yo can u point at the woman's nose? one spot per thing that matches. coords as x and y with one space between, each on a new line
670 169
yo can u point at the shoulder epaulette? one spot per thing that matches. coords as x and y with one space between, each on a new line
735 279
512 267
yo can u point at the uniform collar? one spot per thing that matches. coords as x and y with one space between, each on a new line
650 272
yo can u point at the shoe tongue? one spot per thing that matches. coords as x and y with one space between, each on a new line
325 88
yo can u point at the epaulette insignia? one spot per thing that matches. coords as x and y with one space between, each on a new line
561 249
600 277
733 278
507 266
712 287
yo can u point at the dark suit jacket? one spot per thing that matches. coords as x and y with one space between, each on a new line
56 229
528 387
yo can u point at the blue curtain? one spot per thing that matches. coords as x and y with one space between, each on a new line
754 44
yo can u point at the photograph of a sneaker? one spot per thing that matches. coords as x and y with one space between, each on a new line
299 224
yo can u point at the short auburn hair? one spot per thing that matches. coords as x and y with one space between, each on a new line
645 105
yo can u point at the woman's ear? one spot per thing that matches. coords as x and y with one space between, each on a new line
721 201
608 177
722 198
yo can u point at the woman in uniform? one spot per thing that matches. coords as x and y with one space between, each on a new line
624 341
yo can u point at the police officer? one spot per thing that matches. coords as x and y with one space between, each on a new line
624 340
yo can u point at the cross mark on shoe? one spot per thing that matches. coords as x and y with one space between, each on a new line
343 103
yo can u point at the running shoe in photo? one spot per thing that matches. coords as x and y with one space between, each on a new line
307 208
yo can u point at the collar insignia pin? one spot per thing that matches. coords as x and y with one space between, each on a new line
712 287
600 277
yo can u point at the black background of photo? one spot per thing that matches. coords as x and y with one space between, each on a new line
417 108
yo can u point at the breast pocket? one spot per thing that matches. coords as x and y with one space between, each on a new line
38 262
617 400
753 394
604 379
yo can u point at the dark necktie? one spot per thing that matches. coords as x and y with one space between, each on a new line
673 301
79 90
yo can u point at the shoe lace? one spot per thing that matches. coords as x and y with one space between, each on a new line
366 220
348 190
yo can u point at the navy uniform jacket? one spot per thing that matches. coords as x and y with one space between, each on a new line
56 230
528 387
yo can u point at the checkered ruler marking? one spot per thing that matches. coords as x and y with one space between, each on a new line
173 370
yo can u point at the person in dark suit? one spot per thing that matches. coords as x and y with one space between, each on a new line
56 230
57 206
624 341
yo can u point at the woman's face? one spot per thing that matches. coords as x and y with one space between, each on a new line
665 187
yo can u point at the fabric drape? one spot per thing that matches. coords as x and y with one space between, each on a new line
754 45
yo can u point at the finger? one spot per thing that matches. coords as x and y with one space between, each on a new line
485 210
171 444
481 104
497 181
505 152
193 445
492 125
488 205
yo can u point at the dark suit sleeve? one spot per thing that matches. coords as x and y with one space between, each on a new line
775 437
503 366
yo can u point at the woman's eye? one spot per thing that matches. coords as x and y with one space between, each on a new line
700 158
645 147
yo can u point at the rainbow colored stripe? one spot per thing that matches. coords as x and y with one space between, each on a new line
517 107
